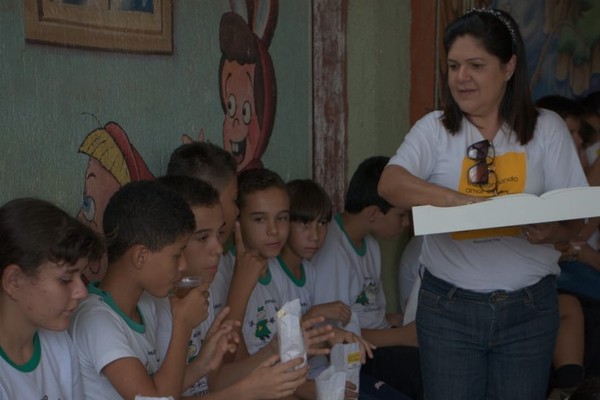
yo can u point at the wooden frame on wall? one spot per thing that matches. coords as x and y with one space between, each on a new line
102 25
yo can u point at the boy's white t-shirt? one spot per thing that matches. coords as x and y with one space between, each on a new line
102 334
408 270
219 287
291 287
165 327
259 325
52 373
352 275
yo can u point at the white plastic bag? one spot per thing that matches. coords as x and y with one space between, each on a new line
331 384
291 340
346 357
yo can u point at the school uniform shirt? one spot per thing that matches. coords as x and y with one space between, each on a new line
219 287
350 274
52 373
102 333
259 325
500 258
302 288
164 329
292 288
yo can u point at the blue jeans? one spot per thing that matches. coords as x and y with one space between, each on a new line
492 346
579 278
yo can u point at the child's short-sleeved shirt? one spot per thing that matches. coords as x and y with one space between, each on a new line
259 325
352 275
102 333
219 287
52 372
291 287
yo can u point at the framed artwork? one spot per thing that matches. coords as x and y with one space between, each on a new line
133 26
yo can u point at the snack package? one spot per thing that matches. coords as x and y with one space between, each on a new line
291 340
331 384
346 357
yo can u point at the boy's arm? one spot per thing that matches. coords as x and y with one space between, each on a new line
268 380
400 336
232 372
221 339
130 378
248 267
335 310
332 275
314 334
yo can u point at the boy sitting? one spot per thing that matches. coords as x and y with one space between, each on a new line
212 164
147 227
255 378
348 268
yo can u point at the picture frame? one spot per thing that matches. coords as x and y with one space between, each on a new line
132 26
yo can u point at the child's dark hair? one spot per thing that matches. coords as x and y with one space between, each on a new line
561 105
257 179
204 161
362 189
34 231
146 213
308 201
195 192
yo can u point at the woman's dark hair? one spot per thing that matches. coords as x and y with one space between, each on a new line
499 35
308 201
34 231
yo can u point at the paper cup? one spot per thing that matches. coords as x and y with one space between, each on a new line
183 287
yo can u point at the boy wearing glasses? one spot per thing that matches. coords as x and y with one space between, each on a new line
348 268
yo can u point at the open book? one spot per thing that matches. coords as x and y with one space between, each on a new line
509 210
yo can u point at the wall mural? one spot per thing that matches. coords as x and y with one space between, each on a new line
247 79
563 44
562 40
113 162
248 98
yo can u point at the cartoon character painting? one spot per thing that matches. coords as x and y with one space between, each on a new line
113 162
262 325
247 79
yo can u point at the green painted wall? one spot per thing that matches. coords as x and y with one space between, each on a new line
48 94
378 97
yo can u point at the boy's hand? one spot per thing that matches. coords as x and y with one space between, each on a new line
343 336
309 391
220 339
350 393
273 380
249 265
336 310
316 337
193 308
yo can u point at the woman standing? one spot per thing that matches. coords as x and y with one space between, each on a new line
487 315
